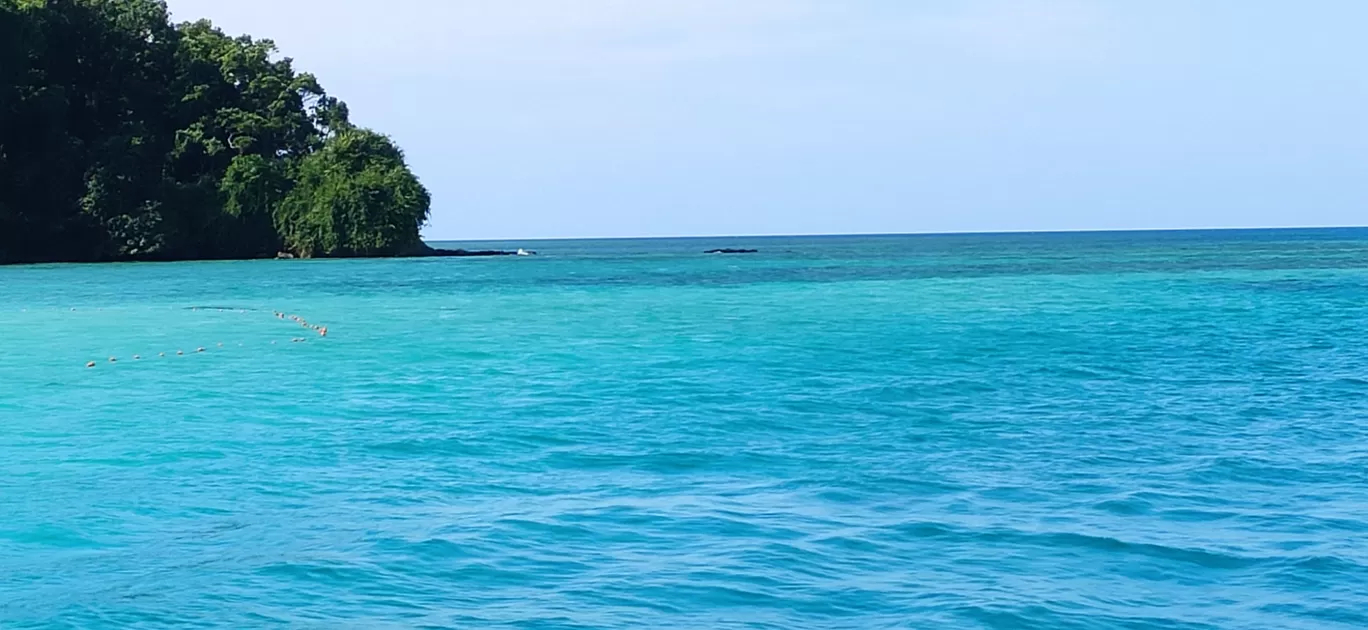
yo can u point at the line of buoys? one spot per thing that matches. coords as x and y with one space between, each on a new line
321 330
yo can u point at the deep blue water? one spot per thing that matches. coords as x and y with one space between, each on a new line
1111 430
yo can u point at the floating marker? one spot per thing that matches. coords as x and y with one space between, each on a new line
113 360
137 357
91 364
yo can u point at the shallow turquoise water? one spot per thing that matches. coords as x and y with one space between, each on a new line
1164 430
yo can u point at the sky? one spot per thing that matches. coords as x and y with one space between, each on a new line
619 118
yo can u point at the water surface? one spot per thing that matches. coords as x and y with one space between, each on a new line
1129 430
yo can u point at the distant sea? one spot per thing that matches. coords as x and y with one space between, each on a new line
1083 430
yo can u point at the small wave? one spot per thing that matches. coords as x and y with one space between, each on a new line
430 447
1043 616
1066 540
321 573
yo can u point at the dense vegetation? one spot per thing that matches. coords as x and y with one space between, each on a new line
126 137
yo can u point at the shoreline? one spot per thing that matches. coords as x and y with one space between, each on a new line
426 251
429 251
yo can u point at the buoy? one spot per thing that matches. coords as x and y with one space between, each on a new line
137 357
112 360
323 331
91 364
220 344
180 353
162 354
199 349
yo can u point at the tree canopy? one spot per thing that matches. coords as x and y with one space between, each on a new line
126 137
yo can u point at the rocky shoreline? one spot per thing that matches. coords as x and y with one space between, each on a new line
427 251
443 253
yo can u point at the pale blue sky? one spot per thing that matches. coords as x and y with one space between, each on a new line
546 118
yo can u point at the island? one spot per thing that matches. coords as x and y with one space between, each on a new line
125 137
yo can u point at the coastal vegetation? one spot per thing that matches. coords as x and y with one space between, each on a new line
124 136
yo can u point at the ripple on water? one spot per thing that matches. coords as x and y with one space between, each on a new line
1012 431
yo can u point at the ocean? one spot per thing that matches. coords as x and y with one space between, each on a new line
1076 430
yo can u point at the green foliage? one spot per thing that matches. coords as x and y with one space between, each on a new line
355 197
123 136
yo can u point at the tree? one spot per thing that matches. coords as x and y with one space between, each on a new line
355 197
123 136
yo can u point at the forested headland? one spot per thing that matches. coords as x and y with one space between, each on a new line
124 136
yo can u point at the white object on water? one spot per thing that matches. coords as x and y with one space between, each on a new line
523 252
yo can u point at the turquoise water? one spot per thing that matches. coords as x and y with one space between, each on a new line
1158 430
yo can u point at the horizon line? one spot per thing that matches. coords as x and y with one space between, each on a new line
947 233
